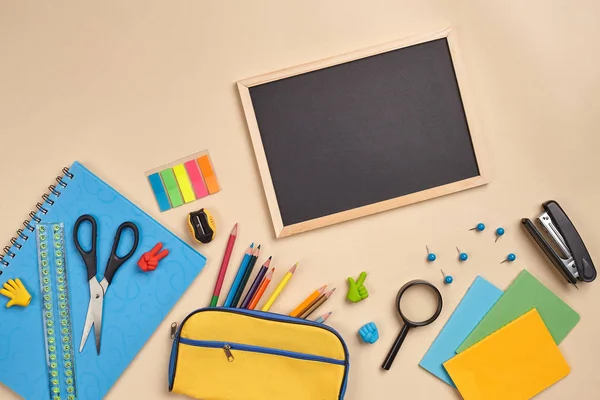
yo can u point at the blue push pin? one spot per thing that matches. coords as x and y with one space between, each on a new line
462 256
479 228
510 258
447 278
431 257
499 232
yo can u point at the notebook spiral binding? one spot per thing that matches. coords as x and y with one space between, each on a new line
10 252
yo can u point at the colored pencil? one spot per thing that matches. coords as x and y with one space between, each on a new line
238 276
255 285
308 301
280 288
261 289
323 318
224 264
244 281
311 309
310 305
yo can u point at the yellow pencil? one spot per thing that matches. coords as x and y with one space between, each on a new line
309 300
279 288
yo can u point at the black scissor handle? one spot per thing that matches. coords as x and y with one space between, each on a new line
114 261
89 257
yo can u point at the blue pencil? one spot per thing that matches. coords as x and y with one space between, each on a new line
240 290
323 318
238 277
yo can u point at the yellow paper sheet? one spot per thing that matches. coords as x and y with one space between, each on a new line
515 362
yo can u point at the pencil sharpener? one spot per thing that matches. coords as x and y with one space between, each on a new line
202 226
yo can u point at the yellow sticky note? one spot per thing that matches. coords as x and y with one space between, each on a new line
184 183
515 362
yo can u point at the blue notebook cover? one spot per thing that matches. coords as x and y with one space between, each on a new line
478 300
135 304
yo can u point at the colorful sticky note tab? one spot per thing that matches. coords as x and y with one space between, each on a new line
184 183
196 178
159 192
209 174
515 362
525 293
478 300
170 182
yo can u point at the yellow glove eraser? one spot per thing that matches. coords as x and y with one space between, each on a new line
16 292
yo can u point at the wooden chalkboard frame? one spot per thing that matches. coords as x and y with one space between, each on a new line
281 230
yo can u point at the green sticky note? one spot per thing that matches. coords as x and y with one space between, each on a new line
525 293
170 182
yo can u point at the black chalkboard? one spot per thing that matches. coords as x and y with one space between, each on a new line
364 131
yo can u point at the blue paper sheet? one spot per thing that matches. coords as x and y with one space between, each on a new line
478 300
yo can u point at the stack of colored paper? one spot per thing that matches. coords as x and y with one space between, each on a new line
503 345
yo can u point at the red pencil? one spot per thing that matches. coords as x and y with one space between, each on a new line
224 264
261 290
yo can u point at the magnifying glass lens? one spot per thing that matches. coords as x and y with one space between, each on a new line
419 303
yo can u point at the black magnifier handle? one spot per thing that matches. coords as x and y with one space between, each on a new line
389 360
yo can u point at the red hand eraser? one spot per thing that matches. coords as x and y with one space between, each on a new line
149 260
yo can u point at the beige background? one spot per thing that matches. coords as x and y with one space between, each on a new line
127 86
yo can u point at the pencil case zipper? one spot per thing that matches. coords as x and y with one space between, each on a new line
261 315
228 347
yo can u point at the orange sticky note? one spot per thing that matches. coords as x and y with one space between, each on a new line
515 362
209 174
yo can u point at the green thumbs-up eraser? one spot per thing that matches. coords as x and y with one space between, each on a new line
356 289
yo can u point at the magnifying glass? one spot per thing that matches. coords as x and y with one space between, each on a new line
407 322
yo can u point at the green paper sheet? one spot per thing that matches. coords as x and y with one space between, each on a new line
525 293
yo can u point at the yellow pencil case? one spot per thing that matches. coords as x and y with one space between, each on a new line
238 354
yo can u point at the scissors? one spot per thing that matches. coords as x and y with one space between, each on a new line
98 288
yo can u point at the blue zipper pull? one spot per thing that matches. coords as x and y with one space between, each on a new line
227 349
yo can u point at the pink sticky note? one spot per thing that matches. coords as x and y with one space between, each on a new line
196 179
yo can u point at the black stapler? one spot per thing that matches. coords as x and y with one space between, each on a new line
569 254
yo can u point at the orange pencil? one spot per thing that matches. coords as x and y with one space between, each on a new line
261 290
308 301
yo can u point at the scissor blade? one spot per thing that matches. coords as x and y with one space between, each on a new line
87 327
94 314
98 322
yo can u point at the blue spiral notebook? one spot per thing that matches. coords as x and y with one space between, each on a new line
135 304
